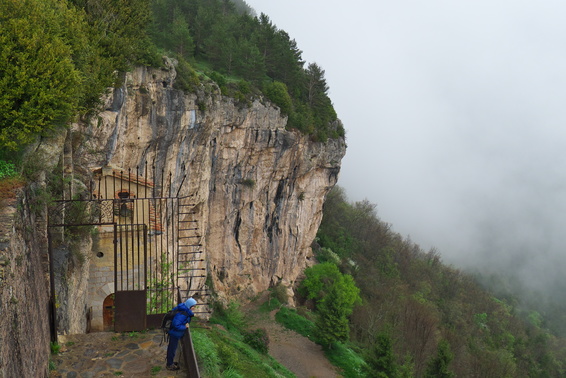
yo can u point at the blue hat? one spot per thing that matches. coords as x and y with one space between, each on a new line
190 302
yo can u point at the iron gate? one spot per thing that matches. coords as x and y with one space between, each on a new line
156 241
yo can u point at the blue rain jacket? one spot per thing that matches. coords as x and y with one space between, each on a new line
178 327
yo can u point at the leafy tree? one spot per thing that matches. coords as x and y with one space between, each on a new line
319 102
39 84
535 318
121 29
342 222
319 279
242 7
302 118
264 36
221 47
285 63
335 295
277 93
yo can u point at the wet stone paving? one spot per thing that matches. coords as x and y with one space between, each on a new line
109 354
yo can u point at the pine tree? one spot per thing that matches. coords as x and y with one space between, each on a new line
438 366
380 359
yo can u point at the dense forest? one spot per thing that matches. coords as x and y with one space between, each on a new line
380 306
58 57
419 314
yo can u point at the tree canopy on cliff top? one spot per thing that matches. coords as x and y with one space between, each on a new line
58 56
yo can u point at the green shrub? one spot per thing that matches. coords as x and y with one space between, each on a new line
40 85
351 363
7 169
228 356
250 183
279 292
270 304
155 370
55 348
277 93
187 79
219 79
244 87
327 255
230 316
257 339
301 119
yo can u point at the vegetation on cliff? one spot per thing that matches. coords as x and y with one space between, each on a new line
225 37
57 57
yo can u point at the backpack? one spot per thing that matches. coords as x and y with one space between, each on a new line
167 322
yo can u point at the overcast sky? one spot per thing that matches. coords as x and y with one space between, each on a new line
455 113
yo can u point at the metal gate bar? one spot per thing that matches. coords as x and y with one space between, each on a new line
157 241
133 275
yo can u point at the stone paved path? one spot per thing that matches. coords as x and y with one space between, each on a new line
109 354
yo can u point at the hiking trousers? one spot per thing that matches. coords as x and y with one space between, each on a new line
172 349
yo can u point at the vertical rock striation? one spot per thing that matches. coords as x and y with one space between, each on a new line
24 285
259 188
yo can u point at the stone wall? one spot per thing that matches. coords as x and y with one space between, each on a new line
24 296
24 265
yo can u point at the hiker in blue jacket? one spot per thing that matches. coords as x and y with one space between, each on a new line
179 326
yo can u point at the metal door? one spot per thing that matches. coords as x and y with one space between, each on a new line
130 277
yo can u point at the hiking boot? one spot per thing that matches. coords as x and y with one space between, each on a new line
173 367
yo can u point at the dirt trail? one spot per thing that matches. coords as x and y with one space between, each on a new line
296 352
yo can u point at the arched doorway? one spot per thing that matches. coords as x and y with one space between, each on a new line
108 313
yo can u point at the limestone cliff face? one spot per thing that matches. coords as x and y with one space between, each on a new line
24 285
259 188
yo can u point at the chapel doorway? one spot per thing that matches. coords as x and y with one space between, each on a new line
108 313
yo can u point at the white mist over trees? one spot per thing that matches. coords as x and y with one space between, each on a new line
455 123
